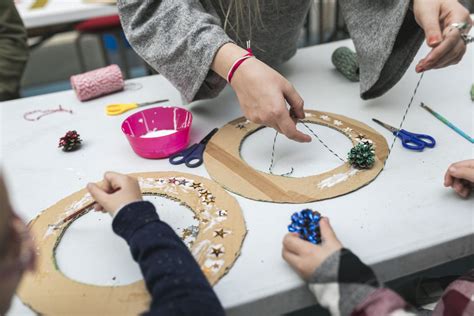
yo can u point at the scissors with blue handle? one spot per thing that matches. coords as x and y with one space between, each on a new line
410 140
192 157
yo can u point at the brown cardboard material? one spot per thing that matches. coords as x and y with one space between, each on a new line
225 165
215 247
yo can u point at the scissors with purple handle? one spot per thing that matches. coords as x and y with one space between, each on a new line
192 157
410 140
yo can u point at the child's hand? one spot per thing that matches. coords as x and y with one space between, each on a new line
460 176
305 257
116 191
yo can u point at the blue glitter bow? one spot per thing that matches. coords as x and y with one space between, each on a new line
306 224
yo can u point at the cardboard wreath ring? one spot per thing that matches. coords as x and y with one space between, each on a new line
215 246
225 165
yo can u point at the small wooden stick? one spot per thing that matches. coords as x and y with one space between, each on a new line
81 211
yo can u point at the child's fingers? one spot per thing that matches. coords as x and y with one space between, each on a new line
465 192
116 180
296 245
327 233
291 258
448 179
464 163
97 193
462 172
107 186
458 186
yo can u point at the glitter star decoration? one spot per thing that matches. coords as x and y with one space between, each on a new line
186 233
220 233
217 251
196 185
172 180
183 182
216 266
204 193
210 200
361 137
337 123
207 197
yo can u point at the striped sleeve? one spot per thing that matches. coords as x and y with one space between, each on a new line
346 286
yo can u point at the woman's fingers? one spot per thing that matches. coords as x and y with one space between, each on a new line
288 128
453 57
449 48
295 101
428 18
443 50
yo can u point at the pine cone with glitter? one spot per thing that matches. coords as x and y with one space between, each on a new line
71 141
306 224
362 156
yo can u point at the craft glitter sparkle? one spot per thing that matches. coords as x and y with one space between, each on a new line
306 224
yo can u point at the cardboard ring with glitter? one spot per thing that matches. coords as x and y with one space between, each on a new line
216 245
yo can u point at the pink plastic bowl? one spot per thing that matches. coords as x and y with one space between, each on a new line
159 118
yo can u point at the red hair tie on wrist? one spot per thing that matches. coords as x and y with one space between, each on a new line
239 62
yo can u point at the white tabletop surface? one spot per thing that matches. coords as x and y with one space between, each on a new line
402 222
61 11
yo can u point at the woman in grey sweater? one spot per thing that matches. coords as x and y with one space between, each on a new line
194 44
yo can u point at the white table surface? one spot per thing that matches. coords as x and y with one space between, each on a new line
402 222
62 11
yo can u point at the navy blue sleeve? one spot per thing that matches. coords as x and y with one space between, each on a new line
172 276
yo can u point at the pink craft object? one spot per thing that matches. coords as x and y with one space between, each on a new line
97 82
156 119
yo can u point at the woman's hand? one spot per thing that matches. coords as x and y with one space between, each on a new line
263 96
436 17
305 257
460 176
262 92
114 192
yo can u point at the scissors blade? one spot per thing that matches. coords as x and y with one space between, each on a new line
208 137
152 102
390 128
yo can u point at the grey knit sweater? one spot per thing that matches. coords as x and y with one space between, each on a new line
179 38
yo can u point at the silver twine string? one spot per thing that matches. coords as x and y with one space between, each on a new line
270 169
404 118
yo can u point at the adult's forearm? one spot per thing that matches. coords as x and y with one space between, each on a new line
225 57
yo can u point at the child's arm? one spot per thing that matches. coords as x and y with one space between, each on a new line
339 280
172 276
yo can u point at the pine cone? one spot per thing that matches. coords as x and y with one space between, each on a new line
362 156
70 141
